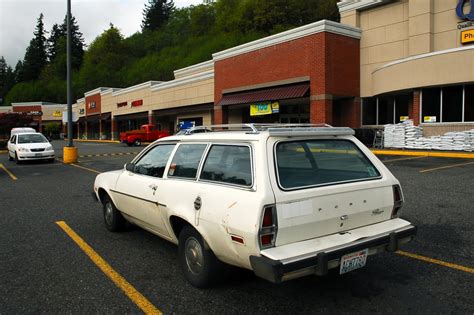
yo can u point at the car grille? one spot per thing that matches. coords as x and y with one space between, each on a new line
37 150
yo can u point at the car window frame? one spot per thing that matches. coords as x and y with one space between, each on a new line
147 150
275 164
237 144
198 171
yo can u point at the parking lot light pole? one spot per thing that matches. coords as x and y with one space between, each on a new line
70 152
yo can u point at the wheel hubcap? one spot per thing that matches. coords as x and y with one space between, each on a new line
108 213
193 254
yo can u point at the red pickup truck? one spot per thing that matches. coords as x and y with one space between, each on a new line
146 133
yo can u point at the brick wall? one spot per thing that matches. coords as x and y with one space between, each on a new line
414 107
331 61
93 98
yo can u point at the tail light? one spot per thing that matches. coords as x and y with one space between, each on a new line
397 200
268 227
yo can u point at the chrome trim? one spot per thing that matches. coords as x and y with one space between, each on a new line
139 198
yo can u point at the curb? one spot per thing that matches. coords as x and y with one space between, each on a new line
102 141
3 151
425 153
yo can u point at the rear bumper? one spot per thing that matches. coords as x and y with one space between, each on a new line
319 262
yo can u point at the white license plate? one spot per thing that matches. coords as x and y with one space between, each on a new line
353 261
38 154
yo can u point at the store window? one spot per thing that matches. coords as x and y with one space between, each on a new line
469 102
369 111
431 101
385 110
402 103
452 104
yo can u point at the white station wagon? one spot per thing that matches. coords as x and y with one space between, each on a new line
282 200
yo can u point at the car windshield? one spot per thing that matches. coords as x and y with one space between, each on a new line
321 162
31 138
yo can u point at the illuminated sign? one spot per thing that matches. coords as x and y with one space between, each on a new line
137 103
264 109
122 104
92 105
460 10
467 36
57 113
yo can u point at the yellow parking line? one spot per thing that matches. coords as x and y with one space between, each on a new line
13 177
436 261
86 168
404 159
443 167
3 151
132 293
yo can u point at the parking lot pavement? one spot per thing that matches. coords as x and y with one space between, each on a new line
43 270
95 148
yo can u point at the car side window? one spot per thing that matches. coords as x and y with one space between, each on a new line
13 139
186 160
229 164
153 163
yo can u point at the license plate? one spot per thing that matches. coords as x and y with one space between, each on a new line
38 154
353 261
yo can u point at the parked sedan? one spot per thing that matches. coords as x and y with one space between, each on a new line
30 146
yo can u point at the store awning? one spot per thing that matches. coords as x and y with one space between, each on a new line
105 116
269 94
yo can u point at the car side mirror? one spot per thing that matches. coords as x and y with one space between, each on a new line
130 167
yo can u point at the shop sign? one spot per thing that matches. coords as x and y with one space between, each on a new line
467 36
460 10
35 113
429 119
122 104
81 111
403 118
137 103
268 108
92 105
57 113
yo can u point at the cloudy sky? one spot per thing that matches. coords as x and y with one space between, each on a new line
18 19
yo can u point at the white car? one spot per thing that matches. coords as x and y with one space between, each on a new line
282 200
29 146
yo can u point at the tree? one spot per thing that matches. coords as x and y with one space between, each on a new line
77 42
18 72
7 79
53 41
35 57
156 14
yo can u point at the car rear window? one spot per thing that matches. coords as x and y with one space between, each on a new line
308 163
228 164
186 160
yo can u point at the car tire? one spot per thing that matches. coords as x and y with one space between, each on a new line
10 157
137 142
200 266
113 219
16 159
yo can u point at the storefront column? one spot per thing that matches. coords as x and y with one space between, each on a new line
85 129
151 118
220 115
113 129
414 107
100 127
320 109
78 130
40 125
350 112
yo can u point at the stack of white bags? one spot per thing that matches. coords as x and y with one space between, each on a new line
406 135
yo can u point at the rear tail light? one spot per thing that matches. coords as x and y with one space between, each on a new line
397 200
268 227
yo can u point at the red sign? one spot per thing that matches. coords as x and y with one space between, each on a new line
137 103
123 104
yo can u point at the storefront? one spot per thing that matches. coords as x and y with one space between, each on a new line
42 114
416 61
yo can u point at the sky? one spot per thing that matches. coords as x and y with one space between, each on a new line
18 19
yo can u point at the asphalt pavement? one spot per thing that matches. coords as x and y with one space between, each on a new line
43 270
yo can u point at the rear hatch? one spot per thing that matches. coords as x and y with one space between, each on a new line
326 186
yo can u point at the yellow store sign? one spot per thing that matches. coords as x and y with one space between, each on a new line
58 113
467 36
264 109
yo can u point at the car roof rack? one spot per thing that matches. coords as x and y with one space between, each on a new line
275 129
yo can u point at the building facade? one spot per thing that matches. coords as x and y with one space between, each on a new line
385 62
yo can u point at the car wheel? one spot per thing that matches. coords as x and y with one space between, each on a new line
137 142
16 159
114 220
200 266
10 157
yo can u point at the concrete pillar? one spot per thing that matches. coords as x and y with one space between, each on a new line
151 118
220 116
85 129
113 129
100 127
414 107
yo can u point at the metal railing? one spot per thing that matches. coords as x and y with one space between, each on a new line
253 128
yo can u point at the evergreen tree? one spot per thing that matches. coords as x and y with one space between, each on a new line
18 73
35 56
156 14
53 41
77 42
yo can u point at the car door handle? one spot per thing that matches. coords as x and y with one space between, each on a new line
197 203
153 187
